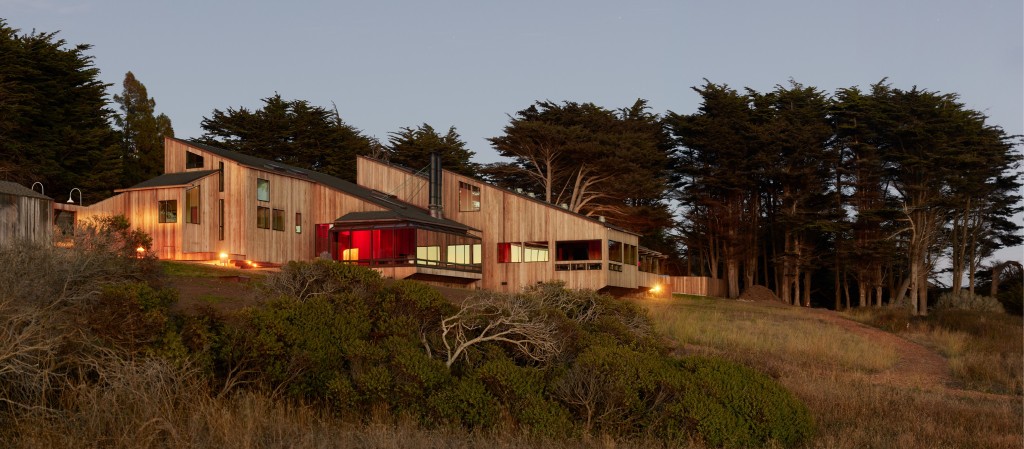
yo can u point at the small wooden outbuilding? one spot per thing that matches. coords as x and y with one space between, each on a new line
24 214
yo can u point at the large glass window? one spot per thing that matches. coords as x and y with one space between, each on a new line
469 197
535 252
193 160
262 217
578 250
168 211
459 254
515 252
262 189
192 205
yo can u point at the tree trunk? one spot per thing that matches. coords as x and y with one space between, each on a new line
732 273
807 288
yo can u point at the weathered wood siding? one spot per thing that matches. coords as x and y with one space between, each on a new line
697 285
507 217
23 217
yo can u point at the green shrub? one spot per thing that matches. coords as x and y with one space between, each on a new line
465 402
737 406
132 316
521 391
965 300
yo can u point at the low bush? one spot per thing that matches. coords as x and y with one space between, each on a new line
965 300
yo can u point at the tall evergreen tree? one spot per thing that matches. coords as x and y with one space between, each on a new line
592 160
142 133
718 177
290 131
55 126
412 147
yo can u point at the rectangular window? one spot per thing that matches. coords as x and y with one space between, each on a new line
535 252
220 179
469 197
510 253
193 160
220 221
262 189
614 251
630 257
578 250
262 217
192 205
460 254
428 255
298 223
278 220
168 211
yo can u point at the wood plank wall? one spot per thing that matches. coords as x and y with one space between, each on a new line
507 217
697 285
23 217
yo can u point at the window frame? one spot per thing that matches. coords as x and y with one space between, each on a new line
265 195
467 193
192 158
193 194
277 219
162 210
262 217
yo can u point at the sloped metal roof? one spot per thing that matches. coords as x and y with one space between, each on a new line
171 180
13 188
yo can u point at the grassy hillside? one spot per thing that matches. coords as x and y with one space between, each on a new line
865 387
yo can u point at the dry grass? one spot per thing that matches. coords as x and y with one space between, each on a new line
853 407
985 349
759 332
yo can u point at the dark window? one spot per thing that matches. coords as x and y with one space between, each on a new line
220 179
193 160
298 223
192 205
614 251
168 211
630 257
469 197
278 220
262 190
578 250
220 221
262 217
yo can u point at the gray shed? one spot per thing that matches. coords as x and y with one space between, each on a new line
24 214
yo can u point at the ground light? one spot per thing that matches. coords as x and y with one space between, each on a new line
224 259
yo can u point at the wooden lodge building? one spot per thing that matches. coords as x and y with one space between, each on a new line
443 227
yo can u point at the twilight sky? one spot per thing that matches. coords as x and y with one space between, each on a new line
390 64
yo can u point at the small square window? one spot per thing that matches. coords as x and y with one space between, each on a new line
168 211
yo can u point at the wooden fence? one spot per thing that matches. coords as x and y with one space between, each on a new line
697 285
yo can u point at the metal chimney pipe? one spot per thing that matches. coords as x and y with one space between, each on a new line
436 206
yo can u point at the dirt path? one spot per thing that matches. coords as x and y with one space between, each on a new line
916 365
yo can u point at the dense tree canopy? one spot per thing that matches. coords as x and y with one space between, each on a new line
54 118
876 185
412 147
290 131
